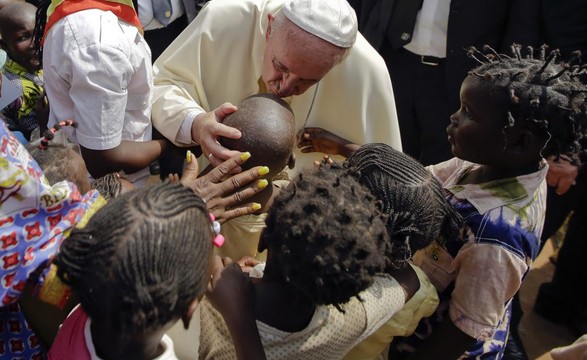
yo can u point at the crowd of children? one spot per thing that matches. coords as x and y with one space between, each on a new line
375 257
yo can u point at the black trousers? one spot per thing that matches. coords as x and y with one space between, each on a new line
569 281
421 101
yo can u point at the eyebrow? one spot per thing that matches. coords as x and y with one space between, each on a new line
285 69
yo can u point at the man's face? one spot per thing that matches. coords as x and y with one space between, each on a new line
293 63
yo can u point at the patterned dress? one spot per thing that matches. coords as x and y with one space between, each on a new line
477 274
21 115
34 219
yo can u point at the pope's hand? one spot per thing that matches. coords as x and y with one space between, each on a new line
206 129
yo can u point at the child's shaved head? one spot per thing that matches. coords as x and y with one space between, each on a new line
267 125
3 3
14 12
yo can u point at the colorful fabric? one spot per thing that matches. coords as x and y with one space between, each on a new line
59 9
478 274
21 115
34 219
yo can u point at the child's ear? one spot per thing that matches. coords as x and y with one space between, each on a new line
291 163
523 142
187 316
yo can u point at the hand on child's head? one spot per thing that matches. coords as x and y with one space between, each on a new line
221 191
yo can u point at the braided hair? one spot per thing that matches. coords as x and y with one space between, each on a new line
546 96
324 237
409 195
109 185
142 258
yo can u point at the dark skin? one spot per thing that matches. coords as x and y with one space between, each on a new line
231 293
477 133
313 139
221 194
128 156
273 304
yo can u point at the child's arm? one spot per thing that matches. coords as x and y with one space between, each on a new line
447 342
231 293
129 156
319 140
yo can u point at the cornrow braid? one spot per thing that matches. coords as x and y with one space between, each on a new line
325 237
109 185
50 133
547 96
130 263
411 198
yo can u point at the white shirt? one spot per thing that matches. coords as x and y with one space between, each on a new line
98 72
430 31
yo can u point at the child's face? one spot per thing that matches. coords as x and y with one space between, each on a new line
475 131
18 42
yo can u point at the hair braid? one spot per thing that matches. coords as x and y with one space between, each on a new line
411 198
129 263
547 96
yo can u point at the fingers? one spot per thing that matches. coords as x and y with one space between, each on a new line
223 110
248 261
224 168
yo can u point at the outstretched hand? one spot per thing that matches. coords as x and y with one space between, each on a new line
206 129
313 139
221 190
561 174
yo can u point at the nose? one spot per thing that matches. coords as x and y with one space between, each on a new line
288 86
453 119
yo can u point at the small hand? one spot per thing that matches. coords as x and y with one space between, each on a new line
319 140
230 290
208 127
221 190
247 263
561 174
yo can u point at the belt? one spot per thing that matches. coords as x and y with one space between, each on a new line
423 59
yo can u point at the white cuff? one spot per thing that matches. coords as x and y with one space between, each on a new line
184 135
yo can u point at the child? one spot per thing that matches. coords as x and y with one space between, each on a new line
322 290
23 68
514 112
59 161
133 280
267 125
417 213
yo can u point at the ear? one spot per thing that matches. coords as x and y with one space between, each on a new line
291 163
187 316
270 18
523 143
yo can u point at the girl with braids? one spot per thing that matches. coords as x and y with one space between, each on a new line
149 270
323 288
416 212
515 112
